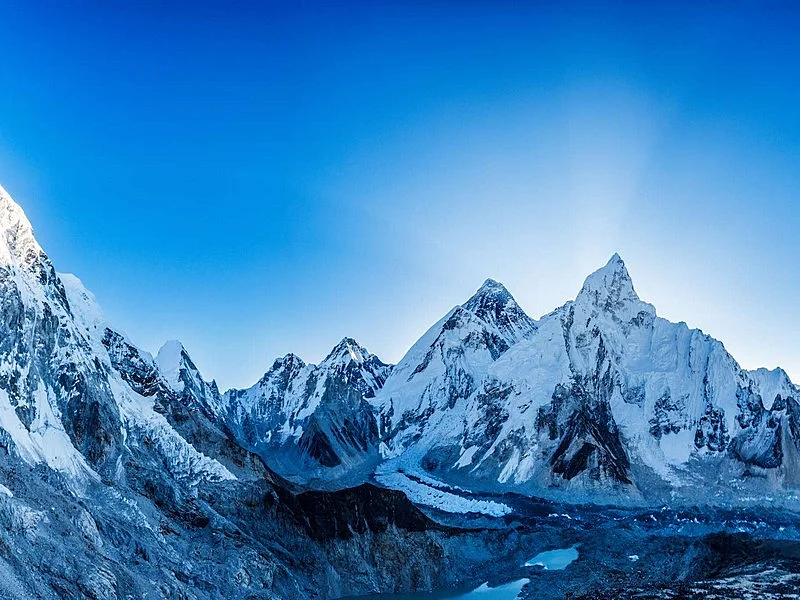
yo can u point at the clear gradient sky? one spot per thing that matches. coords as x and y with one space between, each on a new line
255 179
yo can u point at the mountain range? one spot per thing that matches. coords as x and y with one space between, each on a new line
129 475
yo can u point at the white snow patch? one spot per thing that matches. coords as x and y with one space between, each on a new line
46 441
677 447
183 460
170 361
466 458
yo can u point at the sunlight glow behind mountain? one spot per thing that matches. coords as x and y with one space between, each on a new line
216 180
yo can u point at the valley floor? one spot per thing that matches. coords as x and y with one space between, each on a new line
630 553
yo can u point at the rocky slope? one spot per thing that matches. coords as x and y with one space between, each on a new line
312 421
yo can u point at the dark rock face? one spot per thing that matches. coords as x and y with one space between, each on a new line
138 372
253 424
344 424
490 402
580 420
345 514
719 565
765 436
329 436
588 438
668 416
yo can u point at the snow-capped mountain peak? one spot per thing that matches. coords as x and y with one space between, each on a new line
610 290
85 309
345 351
771 384
490 287
291 363
495 306
308 417
170 360
183 376
18 246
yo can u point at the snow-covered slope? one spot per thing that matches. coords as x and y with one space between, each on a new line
599 399
771 384
600 396
440 385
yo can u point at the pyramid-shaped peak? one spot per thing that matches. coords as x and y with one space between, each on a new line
289 361
170 359
490 293
616 261
615 264
346 350
494 305
171 349
490 285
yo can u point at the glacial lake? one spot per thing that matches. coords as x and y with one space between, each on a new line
506 591
552 560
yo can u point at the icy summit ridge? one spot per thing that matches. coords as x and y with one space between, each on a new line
170 360
19 246
346 350
610 290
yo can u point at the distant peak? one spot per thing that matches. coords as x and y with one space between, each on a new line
490 292
171 348
613 275
615 264
170 363
290 359
492 285
83 303
347 342
494 305
289 363
348 349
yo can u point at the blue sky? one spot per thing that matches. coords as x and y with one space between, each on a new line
255 179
